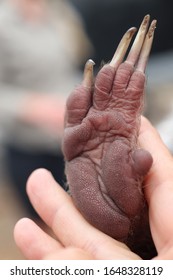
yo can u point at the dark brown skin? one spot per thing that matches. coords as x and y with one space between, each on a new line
105 167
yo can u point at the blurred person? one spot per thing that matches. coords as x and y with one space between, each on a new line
39 53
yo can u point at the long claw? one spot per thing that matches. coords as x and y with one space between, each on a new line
122 47
88 74
142 62
137 45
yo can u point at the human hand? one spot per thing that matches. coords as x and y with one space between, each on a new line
158 188
76 238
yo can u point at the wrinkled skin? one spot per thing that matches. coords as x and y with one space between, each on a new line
105 166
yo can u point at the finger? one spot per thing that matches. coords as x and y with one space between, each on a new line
150 140
79 101
105 77
88 74
33 242
166 253
144 55
158 185
122 48
69 253
137 45
57 210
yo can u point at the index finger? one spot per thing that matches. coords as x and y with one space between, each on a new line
158 185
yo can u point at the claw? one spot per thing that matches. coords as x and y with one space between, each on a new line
122 48
137 45
88 74
142 62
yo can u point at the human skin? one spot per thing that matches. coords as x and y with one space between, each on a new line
105 165
75 238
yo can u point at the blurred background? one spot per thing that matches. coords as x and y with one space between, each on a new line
43 48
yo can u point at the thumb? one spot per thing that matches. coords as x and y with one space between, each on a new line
158 185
